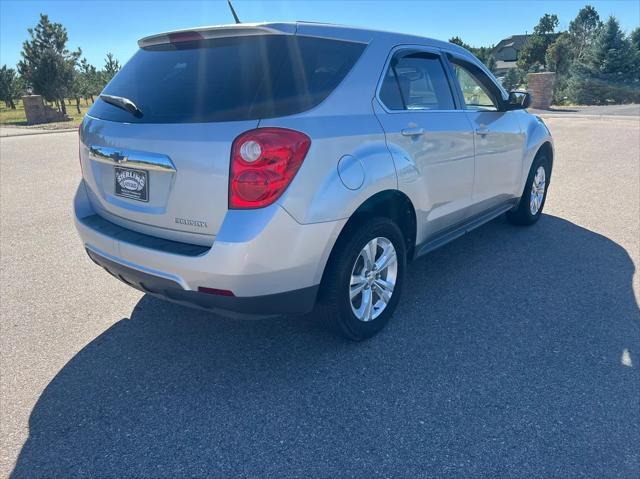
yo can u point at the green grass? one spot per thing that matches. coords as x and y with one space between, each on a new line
17 117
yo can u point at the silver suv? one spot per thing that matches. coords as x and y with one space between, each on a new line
259 169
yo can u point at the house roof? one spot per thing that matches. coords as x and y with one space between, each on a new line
515 41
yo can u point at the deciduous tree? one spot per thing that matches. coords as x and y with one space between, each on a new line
546 25
582 30
559 58
532 56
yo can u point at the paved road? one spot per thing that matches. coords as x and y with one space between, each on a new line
515 352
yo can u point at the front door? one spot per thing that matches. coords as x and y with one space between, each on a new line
499 140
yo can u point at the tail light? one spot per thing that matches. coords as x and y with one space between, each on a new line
263 163
179 37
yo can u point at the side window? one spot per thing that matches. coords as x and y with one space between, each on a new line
416 81
476 94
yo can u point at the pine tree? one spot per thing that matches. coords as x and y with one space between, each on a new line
9 86
484 54
635 38
89 80
512 79
111 67
458 41
47 66
608 70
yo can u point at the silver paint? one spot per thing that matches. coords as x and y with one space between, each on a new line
448 172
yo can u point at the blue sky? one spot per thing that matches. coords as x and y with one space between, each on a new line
102 26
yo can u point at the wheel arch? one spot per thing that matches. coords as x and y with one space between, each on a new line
538 140
547 149
392 204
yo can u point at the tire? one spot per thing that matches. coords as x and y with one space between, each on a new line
348 257
527 213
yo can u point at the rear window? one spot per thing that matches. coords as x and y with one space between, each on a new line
416 81
229 79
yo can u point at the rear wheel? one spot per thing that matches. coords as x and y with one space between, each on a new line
364 278
534 196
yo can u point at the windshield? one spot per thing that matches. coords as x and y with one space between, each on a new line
228 79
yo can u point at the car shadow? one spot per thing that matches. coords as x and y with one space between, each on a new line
514 352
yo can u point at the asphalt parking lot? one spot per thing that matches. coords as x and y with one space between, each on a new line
515 351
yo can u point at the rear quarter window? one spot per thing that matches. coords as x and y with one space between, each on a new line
229 79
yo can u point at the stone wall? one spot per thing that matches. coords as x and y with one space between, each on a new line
540 86
37 112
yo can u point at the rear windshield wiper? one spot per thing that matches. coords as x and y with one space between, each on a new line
124 103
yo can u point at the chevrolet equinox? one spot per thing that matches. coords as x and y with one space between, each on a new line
262 169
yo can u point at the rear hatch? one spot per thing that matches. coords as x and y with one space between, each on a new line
161 167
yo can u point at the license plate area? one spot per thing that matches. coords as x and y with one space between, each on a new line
131 183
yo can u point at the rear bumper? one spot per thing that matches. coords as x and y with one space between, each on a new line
297 301
271 263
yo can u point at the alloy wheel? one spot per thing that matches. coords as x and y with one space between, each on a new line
373 279
537 190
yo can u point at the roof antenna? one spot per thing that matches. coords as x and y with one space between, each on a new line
233 12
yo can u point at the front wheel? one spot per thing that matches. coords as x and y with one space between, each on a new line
534 196
364 278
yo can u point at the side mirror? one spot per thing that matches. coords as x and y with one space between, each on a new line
518 100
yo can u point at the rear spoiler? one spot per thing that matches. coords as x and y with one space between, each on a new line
218 31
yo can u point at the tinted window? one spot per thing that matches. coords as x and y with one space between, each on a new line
228 79
475 87
416 82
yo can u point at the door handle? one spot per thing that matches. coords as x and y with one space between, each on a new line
483 130
412 131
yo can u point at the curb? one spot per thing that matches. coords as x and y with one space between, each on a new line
583 116
38 132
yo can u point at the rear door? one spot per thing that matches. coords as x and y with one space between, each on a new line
499 140
431 140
